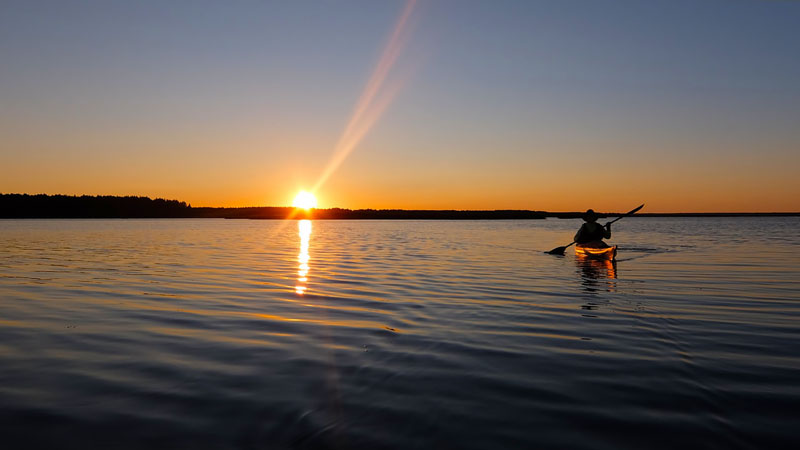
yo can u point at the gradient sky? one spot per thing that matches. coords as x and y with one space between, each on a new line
555 105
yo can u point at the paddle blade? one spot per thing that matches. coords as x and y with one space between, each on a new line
634 210
557 251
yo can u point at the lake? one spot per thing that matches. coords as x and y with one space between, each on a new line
398 334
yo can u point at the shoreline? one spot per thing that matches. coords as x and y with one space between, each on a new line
42 206
432 215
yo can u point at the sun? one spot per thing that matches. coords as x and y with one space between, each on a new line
305 200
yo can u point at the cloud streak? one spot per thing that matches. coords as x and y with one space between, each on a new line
375 98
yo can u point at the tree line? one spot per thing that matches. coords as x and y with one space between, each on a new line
87 206
42 206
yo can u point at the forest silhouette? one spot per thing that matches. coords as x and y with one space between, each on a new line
43 206
85 206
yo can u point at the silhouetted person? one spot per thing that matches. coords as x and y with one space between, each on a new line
591 231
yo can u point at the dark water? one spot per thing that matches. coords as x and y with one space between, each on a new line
263 334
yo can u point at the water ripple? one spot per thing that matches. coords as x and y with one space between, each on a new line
397 334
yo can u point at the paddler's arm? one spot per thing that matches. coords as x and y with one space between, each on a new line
607 231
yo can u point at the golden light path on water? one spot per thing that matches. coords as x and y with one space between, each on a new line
374 99
303 258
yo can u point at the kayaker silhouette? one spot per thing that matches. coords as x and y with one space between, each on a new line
592 232
590 237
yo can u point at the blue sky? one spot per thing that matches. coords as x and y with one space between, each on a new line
692 104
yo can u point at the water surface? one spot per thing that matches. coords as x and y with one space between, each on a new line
398 334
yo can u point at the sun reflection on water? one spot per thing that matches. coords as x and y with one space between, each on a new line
304 228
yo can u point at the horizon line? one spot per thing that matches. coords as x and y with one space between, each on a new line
549 212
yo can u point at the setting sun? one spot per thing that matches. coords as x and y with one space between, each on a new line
305 200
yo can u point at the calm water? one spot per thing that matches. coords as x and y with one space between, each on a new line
399 334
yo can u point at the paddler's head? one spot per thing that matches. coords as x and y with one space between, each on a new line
590 216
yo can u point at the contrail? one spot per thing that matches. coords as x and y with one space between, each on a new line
374 99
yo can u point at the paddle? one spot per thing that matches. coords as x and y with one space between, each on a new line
560 250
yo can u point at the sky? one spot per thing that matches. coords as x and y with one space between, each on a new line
564 105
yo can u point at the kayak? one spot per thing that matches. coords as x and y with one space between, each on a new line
594 250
